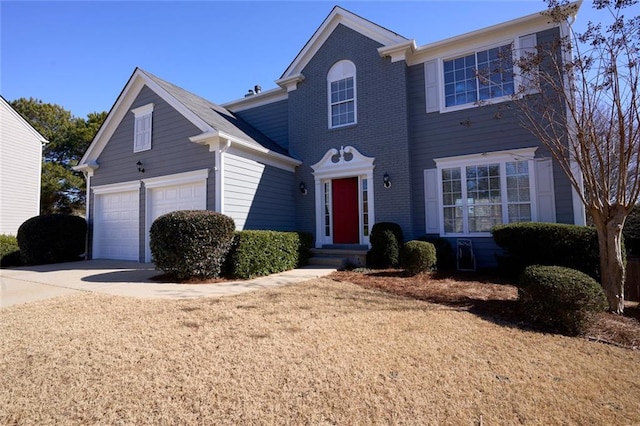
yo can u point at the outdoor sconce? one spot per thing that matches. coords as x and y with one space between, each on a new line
303 188
140 168
386 180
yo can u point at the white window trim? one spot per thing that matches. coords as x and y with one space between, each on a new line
517 78
339 71
140 113
501 157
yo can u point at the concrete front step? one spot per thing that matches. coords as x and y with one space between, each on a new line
339 257
335 262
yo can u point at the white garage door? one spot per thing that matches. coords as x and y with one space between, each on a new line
116 229
167 199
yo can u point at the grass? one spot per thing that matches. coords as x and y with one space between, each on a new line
321 352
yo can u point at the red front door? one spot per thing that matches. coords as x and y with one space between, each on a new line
345 211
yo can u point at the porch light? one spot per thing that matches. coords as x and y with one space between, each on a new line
140 168
386 180
303 188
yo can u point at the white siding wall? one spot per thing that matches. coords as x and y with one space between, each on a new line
241 179
20 168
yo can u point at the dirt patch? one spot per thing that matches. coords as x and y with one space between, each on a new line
320 352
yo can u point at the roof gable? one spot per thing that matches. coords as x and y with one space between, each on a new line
337 16
212 120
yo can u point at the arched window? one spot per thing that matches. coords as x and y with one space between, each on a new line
341 88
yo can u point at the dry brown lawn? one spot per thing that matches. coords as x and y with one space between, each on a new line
320 352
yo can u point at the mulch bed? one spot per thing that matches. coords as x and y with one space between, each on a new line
487 296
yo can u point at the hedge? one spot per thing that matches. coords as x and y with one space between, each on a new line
191 243
534 243
259 253
9 251
52 238
559 299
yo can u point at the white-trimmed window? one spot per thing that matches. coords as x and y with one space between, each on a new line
341 89
479 76
477 192
142 128
482 75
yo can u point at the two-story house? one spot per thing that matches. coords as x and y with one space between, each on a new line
364 127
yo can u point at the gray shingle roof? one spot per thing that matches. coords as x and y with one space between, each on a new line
218 117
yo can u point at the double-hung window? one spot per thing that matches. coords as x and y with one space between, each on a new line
341 88
479 193
142 128
480 76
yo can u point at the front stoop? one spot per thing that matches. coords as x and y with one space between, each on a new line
339 257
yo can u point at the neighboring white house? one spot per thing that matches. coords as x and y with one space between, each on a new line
20 169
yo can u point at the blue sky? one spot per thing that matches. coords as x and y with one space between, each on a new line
81 54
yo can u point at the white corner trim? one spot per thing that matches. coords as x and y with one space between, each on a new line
116 187
176 179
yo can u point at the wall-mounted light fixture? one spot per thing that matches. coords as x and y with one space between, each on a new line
140 167
386 180
303 188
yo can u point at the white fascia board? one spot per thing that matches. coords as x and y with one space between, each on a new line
398 52
278 160
290 83
348 19
123 105
259 99
475 39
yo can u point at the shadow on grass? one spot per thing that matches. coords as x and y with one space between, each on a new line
485 295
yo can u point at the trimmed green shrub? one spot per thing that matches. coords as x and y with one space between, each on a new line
535 243
191 243
52 238
386 240
559 299
418 256
9 251
259 253
446 258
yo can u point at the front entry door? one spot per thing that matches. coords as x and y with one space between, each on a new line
345 211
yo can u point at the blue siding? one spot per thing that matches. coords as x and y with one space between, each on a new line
381 129
469 131
271 120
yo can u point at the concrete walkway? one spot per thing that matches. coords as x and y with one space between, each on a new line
121 278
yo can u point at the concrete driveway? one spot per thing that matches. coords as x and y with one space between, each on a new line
122 278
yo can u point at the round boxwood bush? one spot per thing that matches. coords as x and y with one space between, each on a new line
386 240
191 243
559 299
418 256
52 238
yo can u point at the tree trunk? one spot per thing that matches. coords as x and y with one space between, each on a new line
612 268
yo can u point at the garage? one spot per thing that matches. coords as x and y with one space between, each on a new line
116 224
165 195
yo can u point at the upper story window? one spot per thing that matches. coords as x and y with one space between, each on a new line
481 76
341 88
486 75
142 128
